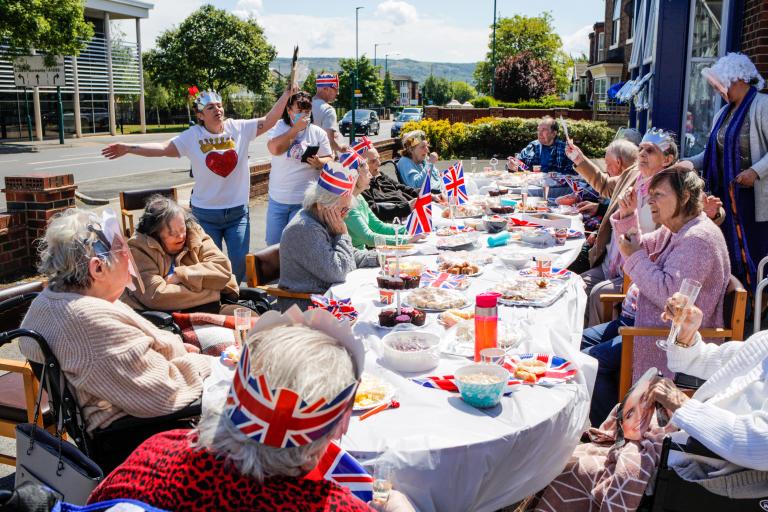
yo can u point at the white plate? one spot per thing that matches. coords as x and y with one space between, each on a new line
450 344
389 393
438 310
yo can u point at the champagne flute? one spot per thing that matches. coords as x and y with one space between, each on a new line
473 165
689 291
382 481
380 244
453 204
242 325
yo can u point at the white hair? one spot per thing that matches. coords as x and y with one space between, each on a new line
297 357
66 249
371 152
624 150
315 194
733 67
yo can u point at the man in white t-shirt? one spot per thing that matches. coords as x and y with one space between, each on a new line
323 114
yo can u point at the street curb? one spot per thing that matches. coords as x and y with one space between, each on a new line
90 201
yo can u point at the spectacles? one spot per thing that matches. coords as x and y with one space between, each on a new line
344 210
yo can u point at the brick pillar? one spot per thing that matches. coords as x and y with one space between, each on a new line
32 200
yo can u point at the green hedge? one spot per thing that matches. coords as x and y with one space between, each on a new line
504 136
545 102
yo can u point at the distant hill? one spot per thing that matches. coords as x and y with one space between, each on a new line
417 70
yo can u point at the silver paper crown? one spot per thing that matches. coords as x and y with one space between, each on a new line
658 137
206 97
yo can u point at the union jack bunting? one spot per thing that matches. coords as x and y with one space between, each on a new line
327 80
420 219
448 383
336 182
558 369
582 192
279 417
341 309
339 466
352 159
432 279
453 178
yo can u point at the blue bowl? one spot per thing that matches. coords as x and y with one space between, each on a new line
482 395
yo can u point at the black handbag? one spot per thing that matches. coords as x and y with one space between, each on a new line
46 459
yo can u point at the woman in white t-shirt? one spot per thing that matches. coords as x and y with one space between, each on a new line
291 174
217 147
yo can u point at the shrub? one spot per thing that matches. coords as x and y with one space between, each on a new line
550 101
483 102
490 136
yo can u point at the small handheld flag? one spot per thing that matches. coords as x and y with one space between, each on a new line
420 219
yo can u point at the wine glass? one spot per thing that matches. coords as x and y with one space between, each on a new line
689 291
242 325
380 244
473 165
382 480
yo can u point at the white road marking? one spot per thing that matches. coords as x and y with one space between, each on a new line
66 165
65 159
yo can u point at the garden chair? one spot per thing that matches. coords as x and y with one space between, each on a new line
136 200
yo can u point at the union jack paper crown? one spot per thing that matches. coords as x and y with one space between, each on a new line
658 137
327 80
336 180
352 159
280 417
201 99
453 178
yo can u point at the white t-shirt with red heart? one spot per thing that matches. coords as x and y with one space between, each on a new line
289 176
219 163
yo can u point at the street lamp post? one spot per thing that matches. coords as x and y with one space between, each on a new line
375 47
386 57
354 90
493 52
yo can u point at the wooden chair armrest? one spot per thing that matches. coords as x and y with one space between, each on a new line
12 365
279 292
612 297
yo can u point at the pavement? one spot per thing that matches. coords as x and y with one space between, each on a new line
98 177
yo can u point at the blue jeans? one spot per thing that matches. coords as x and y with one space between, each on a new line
233 225
278 216
603 342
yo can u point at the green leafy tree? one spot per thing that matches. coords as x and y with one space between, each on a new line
437 90
156 96
368 82
53 27
524 77
309 82
389 89
535 34
462 91
213 49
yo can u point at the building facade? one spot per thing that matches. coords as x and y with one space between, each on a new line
107 69
407 90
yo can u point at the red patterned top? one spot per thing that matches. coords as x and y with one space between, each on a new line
167 473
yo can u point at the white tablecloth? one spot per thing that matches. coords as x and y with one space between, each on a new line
451 456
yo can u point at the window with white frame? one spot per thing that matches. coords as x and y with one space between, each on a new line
599 94
632 12
600 46
616 27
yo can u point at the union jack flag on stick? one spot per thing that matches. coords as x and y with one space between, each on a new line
453 178
420 219
339 466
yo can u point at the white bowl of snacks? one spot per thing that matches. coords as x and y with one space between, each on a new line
410 351
514 260
481 385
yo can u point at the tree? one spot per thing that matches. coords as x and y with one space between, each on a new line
309 82
437 90
213 49
368 82
524 77
389 89
53 27
462 91
535 34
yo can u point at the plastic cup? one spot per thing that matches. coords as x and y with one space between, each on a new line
543 265
492 356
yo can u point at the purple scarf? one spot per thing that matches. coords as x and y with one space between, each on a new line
725 188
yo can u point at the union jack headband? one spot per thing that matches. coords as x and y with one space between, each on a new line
336 180
279 417
327 80
658 137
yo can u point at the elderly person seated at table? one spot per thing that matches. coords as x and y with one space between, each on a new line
227 464
547 150
316 250
688 245
117 362
387 198
179 265
416 162
728 415
363 225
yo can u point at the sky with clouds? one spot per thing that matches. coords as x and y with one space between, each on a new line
426 30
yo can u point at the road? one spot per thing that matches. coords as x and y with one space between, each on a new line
102 178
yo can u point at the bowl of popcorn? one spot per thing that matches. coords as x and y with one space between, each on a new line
410 351
481 385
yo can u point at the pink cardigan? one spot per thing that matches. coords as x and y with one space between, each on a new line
697 251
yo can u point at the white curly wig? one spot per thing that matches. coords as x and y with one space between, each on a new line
733 67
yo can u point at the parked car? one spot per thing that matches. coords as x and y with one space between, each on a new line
366 122
403 118
412 110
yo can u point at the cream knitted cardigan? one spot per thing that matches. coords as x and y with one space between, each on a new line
729 369
117 362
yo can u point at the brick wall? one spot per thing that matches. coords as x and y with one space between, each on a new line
623 49
32 200
467 115
754 35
